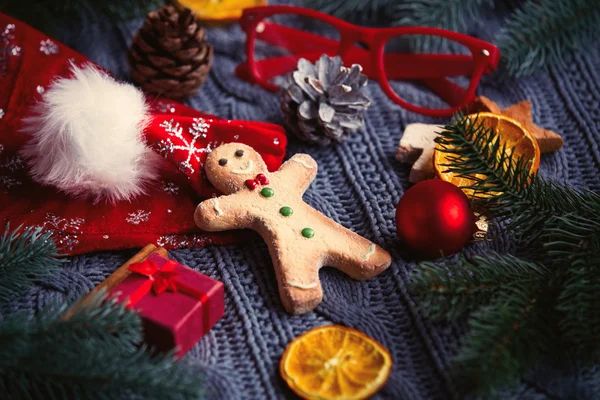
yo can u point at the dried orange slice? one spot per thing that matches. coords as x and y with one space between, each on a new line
335 362
219 10
519 142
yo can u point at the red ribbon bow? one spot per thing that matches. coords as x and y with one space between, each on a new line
163 279
258 181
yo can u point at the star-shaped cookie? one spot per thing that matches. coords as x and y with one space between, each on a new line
417 145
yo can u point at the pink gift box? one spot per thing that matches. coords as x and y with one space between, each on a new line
177 304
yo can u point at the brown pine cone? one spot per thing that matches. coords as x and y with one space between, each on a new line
169 56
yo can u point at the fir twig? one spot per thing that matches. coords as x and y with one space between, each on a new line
26 258
451 291
91 355
536 35
576 239
522 309
353 10
541 32
508 336
45 15
502 182
449 14
479 154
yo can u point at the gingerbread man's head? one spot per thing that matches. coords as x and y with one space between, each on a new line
231 164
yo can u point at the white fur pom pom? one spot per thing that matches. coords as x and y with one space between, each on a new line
87 137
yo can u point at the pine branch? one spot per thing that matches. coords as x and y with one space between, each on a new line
544 201
577 240
579 302
542 31
477 152
26 258
353 10
46 14
575 236
503 185
446 14
520 318
508 337
90 355
452 291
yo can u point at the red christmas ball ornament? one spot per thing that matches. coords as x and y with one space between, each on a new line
434 218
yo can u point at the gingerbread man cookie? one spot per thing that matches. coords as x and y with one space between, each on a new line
300 239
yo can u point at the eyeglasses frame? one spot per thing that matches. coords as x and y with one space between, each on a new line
485 55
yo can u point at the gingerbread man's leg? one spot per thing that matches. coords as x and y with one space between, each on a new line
356 256
298 280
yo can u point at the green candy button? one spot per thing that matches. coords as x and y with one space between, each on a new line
308 233
286 211
267 192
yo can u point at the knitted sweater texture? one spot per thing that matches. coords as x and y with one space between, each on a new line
358 185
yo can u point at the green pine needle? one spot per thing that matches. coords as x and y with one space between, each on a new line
90 355
521 308
353 10
536 35
572 244
451 291
26 258
542 32
447 14
503 185
45 15
579 302
508 337
474 151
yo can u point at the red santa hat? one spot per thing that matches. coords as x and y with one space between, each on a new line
81 154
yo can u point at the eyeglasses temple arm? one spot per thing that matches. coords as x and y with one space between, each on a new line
397 66
294 40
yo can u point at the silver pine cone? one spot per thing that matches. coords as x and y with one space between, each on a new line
325 102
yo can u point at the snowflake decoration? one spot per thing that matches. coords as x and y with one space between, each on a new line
201 241
164 107
176 242
64 231
171 241
1 113
9 32
48 47
7 182
170 188
11 164
198 131
138 217
7 48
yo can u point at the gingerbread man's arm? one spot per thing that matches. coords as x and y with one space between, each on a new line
301 168
221 214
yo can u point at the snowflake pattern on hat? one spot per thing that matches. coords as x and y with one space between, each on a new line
90 226
187 145
7 48
64 231
48 47
138 217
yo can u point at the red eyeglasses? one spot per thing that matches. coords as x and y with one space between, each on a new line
430 71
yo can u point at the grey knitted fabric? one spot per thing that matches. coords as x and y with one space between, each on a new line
358 185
